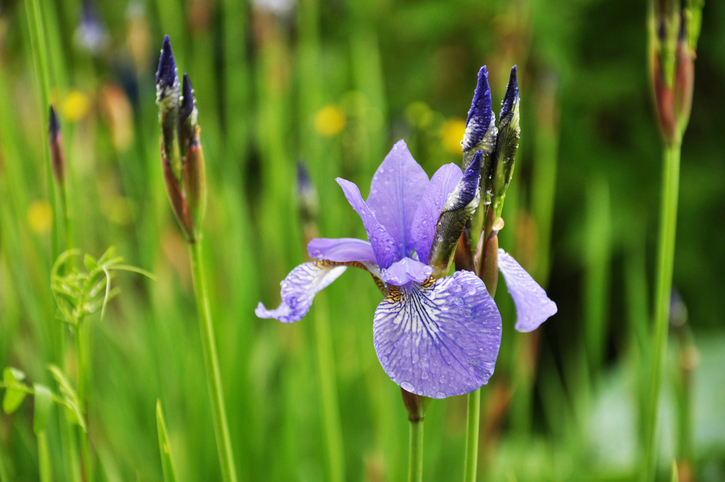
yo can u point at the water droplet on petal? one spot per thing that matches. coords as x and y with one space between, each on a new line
440 395
424 376
407 386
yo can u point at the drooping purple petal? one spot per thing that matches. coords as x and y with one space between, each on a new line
395 192
383 244
480 115
341 250
299 289
431 204
441 340
533 307
404 271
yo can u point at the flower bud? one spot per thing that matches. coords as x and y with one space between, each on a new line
168 98
507 143
673 41
56 146
459 208
481 129
181 153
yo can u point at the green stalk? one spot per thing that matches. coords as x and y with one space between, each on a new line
328 394
663 288
40 58
415 458
473 418
221 430
46 472
83 388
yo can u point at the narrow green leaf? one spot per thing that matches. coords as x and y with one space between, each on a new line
675 473
43 402
13 397
164 448
73 411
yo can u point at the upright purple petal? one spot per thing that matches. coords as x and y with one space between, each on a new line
395 192
533 307
341 250
439 340
405 271
384 245
299 289
431 204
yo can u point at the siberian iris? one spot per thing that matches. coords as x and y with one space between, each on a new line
435 335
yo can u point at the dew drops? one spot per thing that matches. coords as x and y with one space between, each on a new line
407 386
440 395
472 291
456 288
385 359
424 376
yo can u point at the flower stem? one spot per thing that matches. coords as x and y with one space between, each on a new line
221 430
46 472
415 458
473 418
665 263
83 388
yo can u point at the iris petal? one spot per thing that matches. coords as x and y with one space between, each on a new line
533 307
383 244
439 340
406 270
299 289
431 204
395 192
341 250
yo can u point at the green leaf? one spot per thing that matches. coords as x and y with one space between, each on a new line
43 402
13 397
73 411
166 464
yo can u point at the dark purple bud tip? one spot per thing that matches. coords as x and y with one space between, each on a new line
188 101
481 112
167 67
469 182
53 125
304 183
512 94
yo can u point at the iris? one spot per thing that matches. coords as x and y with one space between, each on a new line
434 335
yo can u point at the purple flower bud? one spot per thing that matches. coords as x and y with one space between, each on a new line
166 74
56 147
459 208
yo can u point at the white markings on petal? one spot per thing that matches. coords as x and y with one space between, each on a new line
438 339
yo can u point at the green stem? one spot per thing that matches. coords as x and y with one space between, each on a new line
84 377
46 472
473 418
221 430
665 263
40 58
328 394
415 459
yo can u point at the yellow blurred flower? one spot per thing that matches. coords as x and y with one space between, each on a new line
40 216
330 120
452 132
75 106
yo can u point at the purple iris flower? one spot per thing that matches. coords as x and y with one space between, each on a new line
433 337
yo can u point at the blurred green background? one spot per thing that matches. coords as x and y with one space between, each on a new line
335 84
